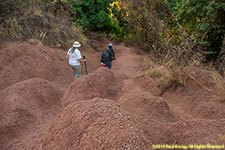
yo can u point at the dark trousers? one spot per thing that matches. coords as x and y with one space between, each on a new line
108 64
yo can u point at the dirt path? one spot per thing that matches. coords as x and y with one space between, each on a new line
154 115
128 65
127 62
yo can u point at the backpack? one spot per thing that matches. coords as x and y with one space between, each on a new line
105 56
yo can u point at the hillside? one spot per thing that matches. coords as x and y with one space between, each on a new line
43 108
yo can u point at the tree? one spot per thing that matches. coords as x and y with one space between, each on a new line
146 20
203 20
91 14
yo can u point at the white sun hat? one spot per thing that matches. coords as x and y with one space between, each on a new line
76 44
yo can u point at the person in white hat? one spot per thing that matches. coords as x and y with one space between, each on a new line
75 59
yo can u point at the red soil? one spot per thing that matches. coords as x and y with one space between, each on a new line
89 86
21 61
24 108
198 132
42 108
95 124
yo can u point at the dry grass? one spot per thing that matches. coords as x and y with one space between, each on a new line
148 64
217 93
170 75
222 137
219 84
78 30
32 21
167 75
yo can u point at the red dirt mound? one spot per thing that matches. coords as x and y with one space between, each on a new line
152 113
193 74
102 39
98 42
96 84
210 110
24 106
195 99
133 99
21 61
95 124
198 132
148 84
97 46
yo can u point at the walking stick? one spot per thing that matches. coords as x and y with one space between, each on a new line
85 64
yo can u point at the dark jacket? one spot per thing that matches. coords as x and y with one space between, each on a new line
111 56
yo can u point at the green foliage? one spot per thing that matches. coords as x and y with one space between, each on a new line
102 16
119 24
146 21
203 20
91 14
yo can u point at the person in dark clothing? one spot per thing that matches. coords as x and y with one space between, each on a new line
108 56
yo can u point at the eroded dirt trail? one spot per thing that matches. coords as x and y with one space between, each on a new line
127 63
106 109
177 109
